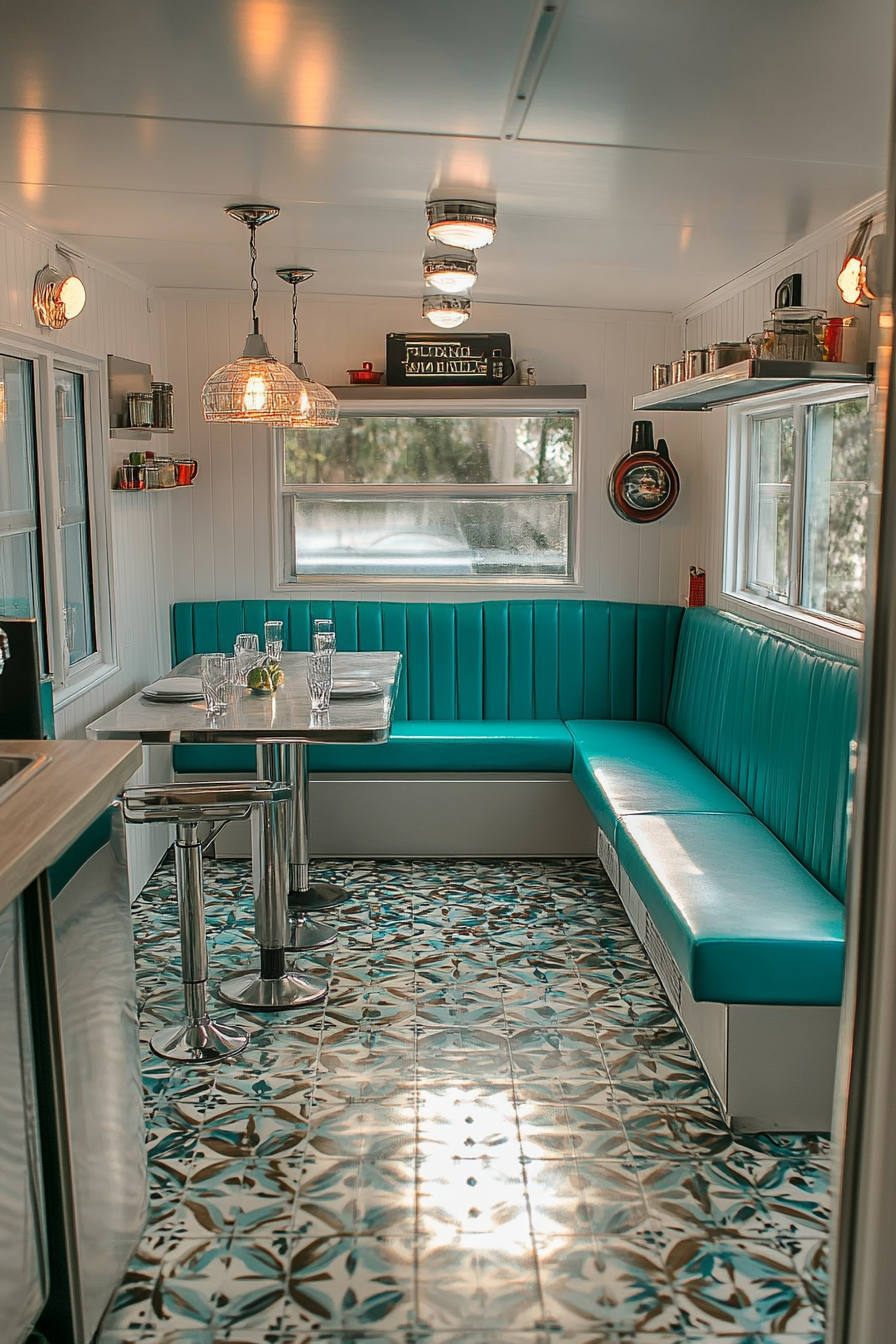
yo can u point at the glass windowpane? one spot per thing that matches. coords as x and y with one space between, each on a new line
773 462
448 450
836 535
439 536
77 580
20 564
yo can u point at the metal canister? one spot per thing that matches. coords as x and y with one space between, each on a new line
696 362
724 353
163 406
662 375
677 367
166 472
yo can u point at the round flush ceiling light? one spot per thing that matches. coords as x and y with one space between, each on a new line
446 310
469 224
57 298
451 272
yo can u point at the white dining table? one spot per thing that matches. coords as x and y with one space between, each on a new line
281 726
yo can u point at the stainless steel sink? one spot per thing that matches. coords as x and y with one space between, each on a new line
16 770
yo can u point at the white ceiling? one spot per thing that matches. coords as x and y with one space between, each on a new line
670 144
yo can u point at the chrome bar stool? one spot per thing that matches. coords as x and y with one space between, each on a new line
199 1038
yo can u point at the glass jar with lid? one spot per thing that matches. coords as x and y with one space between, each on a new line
795 333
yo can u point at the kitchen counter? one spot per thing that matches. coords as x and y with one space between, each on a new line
41 819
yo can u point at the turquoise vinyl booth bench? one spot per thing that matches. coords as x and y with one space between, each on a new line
713 756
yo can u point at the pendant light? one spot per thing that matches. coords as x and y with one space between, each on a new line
322 407
256 388
450 270
469 224
446 310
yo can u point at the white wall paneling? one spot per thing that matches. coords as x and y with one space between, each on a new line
118 318
736 311
222 528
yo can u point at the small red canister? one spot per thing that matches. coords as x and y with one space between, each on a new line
697 587
366 374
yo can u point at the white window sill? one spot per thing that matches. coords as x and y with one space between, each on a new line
64 695
847 639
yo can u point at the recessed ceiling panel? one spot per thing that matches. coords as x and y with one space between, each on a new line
402 65
805 79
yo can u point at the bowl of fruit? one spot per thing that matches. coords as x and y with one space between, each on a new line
266 678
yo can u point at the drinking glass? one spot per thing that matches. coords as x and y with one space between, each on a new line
320 679
245 659
214 681
273 639
324 636
246 641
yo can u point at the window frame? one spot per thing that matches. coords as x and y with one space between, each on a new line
739 583
71 682
284 578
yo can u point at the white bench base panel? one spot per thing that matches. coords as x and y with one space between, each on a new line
477 815
771 1066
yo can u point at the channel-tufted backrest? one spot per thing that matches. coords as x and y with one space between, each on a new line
540 659
773 717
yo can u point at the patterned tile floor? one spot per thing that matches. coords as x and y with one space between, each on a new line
492 1131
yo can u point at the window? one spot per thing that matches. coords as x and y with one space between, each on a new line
79 616
798 534
21 579
482 496
51 533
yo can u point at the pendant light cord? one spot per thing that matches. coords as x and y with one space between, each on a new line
295 322
253 254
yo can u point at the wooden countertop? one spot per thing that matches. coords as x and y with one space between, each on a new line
48 813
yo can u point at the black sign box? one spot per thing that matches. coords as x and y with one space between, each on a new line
425 360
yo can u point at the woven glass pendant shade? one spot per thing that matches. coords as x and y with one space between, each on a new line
322 407
254 389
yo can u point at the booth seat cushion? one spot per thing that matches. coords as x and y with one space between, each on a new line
623 768
743 919
452 745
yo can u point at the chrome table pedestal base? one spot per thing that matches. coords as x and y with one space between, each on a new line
273 986
306 933
313 896
198 1042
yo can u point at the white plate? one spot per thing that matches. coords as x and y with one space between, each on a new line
170 699
344 688
174 686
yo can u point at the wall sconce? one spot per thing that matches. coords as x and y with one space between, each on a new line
57 298
851 280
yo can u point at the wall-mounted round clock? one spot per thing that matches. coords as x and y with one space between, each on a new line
644 484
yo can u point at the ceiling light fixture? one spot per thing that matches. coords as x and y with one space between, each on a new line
462 223
322 407
256 388
851 280
57 298
450 272
446 310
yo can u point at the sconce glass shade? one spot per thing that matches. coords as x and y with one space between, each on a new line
57 298
468 224
446 310
255 389
450 272
851 280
